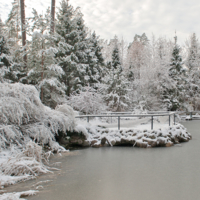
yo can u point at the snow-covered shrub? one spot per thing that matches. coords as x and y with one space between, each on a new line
27 162
88 101
23 116
66 109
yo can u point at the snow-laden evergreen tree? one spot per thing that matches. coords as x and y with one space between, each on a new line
4 54
116 85
9 69
43 70
193 73
73 47
81 49
13 35
13 22
193 58
175 96
64 28
95 60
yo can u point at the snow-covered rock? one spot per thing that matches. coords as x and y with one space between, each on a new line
166 136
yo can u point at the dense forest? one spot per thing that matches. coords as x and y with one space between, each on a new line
73 65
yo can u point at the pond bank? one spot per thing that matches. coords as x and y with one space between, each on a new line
94 136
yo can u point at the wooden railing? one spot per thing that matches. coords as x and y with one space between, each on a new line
124 114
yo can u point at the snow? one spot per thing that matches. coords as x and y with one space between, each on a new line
24 123
137 133
17 195
22 115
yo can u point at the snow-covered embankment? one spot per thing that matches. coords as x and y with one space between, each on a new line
139 138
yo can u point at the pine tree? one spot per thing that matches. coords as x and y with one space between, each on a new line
73 46
116 85
174 96
193 73
9 69
43 71
13 22
4 55
13 35
193 58
95 61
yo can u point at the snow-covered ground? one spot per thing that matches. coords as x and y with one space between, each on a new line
135 132
133 123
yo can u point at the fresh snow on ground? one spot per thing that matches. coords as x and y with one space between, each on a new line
17 195
137 133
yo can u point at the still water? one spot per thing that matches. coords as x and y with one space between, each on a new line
127 173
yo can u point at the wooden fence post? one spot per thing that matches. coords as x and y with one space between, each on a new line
151 122
174 118
118 123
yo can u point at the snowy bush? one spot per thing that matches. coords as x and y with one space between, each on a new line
23 116
88 101
24 122
27 162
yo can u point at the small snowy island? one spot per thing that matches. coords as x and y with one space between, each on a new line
97 136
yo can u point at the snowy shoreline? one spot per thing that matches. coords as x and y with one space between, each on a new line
27 126
137 134
103 137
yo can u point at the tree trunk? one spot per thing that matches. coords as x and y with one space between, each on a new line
23 27
53 2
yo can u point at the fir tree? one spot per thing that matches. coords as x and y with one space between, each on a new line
95 61
193 56
4 55
13 22
72 43
43 71
116 85
193 74
9 69
174 96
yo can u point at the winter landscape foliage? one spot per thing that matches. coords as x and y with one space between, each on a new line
74 67
156 74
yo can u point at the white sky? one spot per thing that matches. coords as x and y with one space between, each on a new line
129 17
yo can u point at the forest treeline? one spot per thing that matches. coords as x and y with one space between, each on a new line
73 65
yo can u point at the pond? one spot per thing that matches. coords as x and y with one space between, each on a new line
115 173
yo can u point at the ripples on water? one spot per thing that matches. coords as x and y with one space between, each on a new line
126 173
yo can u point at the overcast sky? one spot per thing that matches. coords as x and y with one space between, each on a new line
129 17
